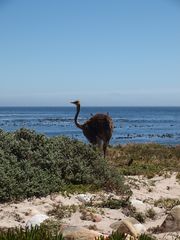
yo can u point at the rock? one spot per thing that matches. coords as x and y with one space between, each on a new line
36 220
32 212
88 216
129 226
172 221
79 233
96 218
140 228
84 198
139 205
115 225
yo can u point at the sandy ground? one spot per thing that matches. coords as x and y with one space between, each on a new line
145 192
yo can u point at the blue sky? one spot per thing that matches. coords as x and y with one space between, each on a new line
117 53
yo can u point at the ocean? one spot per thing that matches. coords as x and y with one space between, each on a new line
132 124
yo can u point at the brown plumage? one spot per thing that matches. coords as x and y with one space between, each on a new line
98 129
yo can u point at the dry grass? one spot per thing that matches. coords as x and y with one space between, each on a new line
147 159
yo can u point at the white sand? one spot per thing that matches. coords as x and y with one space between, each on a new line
144 190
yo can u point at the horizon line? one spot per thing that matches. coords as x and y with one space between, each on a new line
49 106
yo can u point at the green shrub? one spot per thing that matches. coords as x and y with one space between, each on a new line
118 236
114 203
43 233
36 233
146 237
60 211
34 165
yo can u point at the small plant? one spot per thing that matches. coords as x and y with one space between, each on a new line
36 233
146 237
60 211
141 217
113 236
113 203
52 225
118 236
167 203
150 213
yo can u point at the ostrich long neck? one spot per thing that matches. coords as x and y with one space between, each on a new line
76 116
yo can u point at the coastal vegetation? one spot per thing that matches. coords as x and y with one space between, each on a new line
32 164
36 233
148 159
42 232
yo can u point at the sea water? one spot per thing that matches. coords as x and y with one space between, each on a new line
131 124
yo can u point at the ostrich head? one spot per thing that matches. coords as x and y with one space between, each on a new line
76 102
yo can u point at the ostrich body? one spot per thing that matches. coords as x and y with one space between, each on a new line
98 129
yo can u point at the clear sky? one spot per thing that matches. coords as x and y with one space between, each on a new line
103 52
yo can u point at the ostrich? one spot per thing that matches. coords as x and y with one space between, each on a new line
98 129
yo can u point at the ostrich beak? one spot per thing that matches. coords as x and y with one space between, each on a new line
76 102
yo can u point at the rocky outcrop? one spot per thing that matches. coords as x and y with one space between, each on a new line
129 226
172 221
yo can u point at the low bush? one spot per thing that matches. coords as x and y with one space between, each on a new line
32 164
